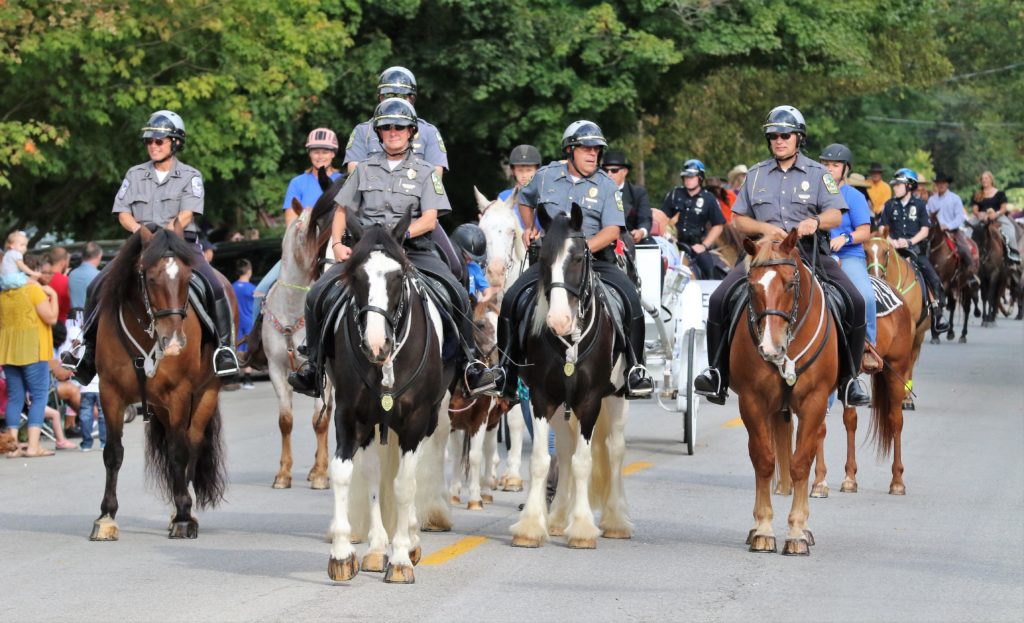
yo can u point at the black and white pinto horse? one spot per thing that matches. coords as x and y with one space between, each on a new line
391 381
571 361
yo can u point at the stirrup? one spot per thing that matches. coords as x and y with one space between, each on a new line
486 387
232 369
646 375
853 385
72 358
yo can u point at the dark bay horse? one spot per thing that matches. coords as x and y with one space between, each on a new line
992 271
571 362
149 349
390 382
958 276
784 362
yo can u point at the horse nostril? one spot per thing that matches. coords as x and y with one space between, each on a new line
164 342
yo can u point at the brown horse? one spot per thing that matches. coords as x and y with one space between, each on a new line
958 276
784 361
149 349
993 271
885 263
895 344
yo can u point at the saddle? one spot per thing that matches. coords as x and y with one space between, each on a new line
200 295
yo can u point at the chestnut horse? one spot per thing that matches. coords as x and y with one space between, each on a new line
886 263
895 344
149 349
784 362
958 276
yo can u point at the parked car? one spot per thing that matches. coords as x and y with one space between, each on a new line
263 254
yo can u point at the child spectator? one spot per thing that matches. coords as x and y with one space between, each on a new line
14 273
244 292
88 401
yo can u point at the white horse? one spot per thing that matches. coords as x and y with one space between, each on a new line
506 260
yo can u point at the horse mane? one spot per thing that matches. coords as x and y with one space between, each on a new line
375 238
554 238
121 277
318 233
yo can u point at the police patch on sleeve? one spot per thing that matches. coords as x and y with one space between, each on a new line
438 187
197 187
351 140
618 200
124 189
830 184
440 143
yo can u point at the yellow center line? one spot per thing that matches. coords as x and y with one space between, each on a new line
633 468
733 423
454 550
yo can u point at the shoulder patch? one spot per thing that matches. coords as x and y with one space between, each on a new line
440 142
197 186
436 179
351 139
124 189
830 184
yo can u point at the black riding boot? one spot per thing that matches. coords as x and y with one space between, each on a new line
713 381
939 323
306 380
506 381
851 351
639 383
225 363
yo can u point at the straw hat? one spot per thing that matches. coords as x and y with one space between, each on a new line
735 172
857 181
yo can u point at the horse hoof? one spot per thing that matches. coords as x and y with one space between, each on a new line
501 481
415 554
475 506
810 537
487 498
897 490
283 482
455 500
750 536
374 562
780 490
617 533
343 570
963 339
320 483
849 486
399 574
104 529
431 527
950 336
556 531
908 405
761 543
796 547
183 530
522 541
512 484
582 543
936 340
819 491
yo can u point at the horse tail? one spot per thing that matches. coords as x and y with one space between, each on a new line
467 441
210 477
600 471
159 466
885 401
255 356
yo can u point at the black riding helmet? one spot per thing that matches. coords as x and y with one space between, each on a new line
165 124
396 81
524 155
837 152
470 238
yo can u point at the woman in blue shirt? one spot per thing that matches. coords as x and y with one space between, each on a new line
849 237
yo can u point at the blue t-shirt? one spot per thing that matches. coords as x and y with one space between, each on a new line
477 278
306 189
858 214
244 293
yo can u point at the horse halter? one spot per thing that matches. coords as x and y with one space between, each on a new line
391 321
155 315
585 291
793 284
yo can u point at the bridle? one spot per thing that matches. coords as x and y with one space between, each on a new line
883 266
585 291
156 314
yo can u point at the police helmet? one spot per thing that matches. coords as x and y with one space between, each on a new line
783 119
524 155
693 168
905 176
470 238
583 132
165 124
322 138
394 111
396 81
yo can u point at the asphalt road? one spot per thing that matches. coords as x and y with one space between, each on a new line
948 551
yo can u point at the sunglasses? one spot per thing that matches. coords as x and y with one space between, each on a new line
392 127
156 141
612 169
784 136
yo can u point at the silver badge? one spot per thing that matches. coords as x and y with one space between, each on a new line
805 185
913 212
700 202
411 174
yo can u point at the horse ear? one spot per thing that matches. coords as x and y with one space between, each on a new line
402 226
296 206
749 246
481 201
544 218
353 225
576 217
789 241
883 231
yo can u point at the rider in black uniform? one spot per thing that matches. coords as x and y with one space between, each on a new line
700 218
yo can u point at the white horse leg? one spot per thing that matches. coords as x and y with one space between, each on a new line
432 509
358 494
476 455
455 441
343 564
513 480
582 533
489 477
376 556
615 522
400 566
531 529
565 435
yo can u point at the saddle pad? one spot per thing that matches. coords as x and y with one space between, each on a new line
886 300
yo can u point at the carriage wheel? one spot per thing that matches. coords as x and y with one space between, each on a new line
690 416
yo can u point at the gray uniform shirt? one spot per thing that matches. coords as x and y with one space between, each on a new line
783 199
152 201
427 144
381 196
552 189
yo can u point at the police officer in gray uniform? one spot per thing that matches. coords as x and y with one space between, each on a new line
789 191
555 188
377 193
700 218
156 193
427 144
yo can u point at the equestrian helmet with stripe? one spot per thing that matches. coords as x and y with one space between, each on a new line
783 119
322 138
905 176
526 155
396 82
165 124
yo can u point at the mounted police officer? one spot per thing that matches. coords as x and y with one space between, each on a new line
908 220
788 191
156 193
427 143
700 218
379 191
555 188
